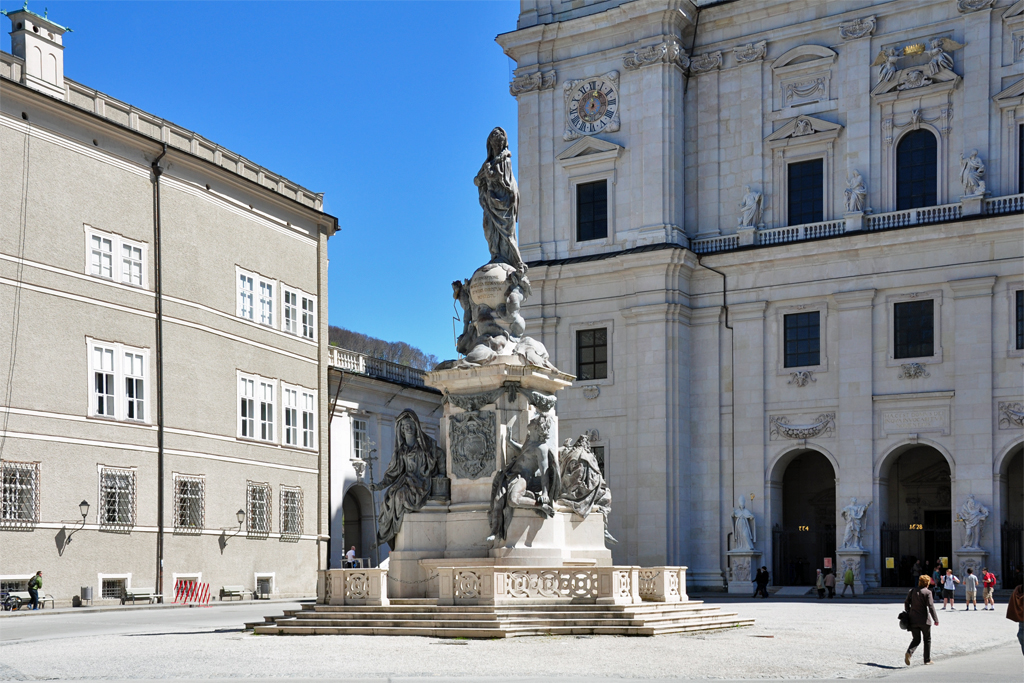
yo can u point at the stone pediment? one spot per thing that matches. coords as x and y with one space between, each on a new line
1016 10
919 80
1014 92
589 146
805 56
804 125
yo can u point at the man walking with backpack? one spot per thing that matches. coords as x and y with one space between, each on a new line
34 584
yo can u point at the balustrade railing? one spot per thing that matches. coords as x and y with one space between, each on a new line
709 245
360 363
794 233
928 214
1009 204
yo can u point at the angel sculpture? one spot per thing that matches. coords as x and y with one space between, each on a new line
939 53
886 59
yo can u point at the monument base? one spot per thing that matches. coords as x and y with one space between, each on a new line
743 566
970 558
855 559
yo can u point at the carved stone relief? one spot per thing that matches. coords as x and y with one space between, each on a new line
473 444
850 563
801 378
966 6
751 52
702 64
740 569
668 52
913 371
780 428
529 82
592 391
1011 415
812 89
858 28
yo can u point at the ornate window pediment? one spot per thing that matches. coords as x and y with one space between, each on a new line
589 147
918 80
1012 94
803 76
802 126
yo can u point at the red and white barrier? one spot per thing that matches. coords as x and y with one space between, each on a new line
192 592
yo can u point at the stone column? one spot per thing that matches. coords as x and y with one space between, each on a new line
708 150
854 423
660 179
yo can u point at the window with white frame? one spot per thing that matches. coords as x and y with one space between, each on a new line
117 499
266 399
266 303
291 511
291 416
258 503
118 383
115 258
20 482
299 313
360 440
255 297
247 407
291 311
256 407
189 508
299 424
245 306
113 588
307 402
308 317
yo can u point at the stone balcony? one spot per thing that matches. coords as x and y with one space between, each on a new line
362 364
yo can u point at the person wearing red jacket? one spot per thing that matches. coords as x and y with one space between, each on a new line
988 585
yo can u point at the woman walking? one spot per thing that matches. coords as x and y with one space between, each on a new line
920 608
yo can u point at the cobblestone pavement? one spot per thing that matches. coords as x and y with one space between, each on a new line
791 639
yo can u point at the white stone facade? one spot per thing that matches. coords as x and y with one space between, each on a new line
711 101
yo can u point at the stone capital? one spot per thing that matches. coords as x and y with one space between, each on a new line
970 288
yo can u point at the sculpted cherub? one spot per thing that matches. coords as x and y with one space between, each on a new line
939 53
530 480
887 59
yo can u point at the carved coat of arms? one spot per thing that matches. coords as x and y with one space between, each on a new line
472 444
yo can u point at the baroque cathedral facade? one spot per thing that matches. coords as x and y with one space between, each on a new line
780 246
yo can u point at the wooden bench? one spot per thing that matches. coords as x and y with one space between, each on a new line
234 592
133 594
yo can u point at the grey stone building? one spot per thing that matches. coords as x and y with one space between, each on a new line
780 245
164 348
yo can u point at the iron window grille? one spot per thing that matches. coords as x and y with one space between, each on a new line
916 171
20 505
592 354
914 329
291 512
592 211
189 504
803 339
117 499
806 192
258 510
1020 318
112 589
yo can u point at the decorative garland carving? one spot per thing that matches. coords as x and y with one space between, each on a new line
913 371
529 82
780 428
801 378
966 6
751 52
1012 415
701 64
858 28
669 52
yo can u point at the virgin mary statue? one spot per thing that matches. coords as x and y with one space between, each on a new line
499 198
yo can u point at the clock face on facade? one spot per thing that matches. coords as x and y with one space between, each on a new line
592 105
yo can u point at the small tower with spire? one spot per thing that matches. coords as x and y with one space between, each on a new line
39 42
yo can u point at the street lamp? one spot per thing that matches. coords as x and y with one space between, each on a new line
83 507
240 516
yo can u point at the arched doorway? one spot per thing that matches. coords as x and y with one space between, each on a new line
1013 527
357 519
918 525
805 532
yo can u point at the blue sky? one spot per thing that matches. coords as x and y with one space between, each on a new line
383 106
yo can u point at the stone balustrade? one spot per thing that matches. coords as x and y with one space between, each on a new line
352 587
362 364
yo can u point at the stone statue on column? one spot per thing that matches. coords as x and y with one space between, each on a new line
854 515
972 515
856 193
499 198
750 208
972 174
744 526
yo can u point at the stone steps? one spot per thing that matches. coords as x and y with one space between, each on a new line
421 618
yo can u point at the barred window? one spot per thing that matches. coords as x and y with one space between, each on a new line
360 440
914 329
20 492
291 511
803 339
112 589
257 518
592 354
189 504
117 499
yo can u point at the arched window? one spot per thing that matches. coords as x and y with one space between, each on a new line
916 170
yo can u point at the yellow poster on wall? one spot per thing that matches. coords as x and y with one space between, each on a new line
890 563
945 562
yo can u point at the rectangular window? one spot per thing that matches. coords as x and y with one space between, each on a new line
291 311
131 265
1020 318
592 354
103 381
102 253
308 318
188 503
308 425
245 308
291 511
360 440
266 397
599 456
247 408
803 339
134 386
291 417
266 303
257 517
806 192
112 589
914 329
592 211
117 499
20 482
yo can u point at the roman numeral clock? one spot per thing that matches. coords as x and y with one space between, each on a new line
591 105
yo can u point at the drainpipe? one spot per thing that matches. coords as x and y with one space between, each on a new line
158 287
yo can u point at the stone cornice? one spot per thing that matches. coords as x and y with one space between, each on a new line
666 52
848 301
970 288
752 310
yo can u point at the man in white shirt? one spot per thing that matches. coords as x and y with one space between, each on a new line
948 585
971 588
350 557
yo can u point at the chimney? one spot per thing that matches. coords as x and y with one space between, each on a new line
38 41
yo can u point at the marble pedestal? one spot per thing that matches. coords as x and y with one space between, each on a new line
856 558
970 558
743 566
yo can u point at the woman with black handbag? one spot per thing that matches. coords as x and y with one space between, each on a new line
920 607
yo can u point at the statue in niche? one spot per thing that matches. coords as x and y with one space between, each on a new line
750 208
854 514
972 174
416 461
583 489
744 533
887 59
939 53
499 198
531 479
972 515
856 193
